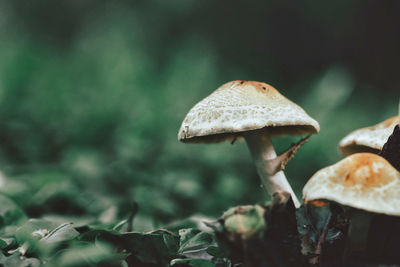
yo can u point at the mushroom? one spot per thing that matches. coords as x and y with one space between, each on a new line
255 111
364 181
369 139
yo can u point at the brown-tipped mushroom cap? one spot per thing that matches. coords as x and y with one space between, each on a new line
241 106
364 180
368 139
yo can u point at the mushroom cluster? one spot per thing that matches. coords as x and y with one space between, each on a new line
363 184
367 183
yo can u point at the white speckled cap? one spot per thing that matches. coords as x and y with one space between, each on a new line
363 180
241 106
369 139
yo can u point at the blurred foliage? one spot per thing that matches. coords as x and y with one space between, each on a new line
92 94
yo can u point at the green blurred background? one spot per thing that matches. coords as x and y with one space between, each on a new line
92 94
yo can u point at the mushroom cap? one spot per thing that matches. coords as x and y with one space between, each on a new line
241 106
363 180
368 139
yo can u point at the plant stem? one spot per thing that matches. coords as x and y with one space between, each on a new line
360 222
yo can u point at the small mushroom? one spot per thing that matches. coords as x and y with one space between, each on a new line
368 139
255 111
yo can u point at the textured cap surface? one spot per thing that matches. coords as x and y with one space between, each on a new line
241 106
369 139
363 180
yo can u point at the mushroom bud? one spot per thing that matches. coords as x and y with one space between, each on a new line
244 222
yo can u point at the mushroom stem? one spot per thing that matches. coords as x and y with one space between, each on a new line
357 237
263 153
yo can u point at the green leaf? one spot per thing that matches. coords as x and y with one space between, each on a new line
78 221
3 244
86 254
192 262
195 242
195 222
64 232
105 235
157 247
17 260
216 252
33 229
6 242
42 237
10 213
119 225
187 234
